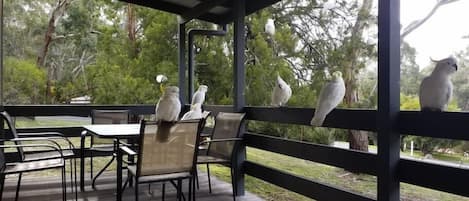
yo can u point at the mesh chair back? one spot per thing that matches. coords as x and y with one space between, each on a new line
227 125
167 148
108 117
13 133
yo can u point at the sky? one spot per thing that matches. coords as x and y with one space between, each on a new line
442 34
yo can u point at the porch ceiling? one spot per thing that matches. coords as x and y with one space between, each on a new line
215 11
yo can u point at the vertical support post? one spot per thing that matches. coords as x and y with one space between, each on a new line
239 79
388 99
182 62
190 67
2 132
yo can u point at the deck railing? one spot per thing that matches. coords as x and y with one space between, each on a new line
449 125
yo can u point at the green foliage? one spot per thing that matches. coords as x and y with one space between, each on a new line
25 83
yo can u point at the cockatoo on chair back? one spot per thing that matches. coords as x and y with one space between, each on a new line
168 107
331 95
194 113
436 90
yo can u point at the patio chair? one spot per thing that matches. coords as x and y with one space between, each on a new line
51 138
102 145
168 155
30 166
222 146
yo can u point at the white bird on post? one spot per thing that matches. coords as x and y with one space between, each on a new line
331 95
281 93
199 95
270 27
168 107
436 90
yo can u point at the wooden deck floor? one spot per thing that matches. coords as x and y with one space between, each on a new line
35 188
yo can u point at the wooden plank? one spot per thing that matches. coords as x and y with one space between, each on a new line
436 176
338 118
348 159
73 110
450 125
301 185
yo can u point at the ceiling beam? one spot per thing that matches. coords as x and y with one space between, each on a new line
201 9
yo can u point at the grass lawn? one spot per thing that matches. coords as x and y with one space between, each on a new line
364 184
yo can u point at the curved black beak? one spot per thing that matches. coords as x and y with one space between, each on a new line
455 66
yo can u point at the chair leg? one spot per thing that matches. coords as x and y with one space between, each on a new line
163 189
136 189
233 184
2 183
209 182
91 165
93 184
197 178
64 184
18 186
179 189
193 189
76 183
190 189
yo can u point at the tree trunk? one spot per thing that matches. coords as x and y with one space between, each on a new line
132 30
358 139
57 12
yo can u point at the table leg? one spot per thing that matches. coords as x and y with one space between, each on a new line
82 161
119 172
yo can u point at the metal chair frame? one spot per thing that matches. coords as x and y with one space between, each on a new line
127 151
48 137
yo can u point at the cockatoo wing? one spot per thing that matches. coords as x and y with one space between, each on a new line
193 114
435 93
168 109
330 96
198 97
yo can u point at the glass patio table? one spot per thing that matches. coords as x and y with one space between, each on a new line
111 131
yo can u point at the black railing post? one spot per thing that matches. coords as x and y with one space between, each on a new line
388 99
239 79
182 63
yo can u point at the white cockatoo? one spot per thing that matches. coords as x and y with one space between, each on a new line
281 93
194 113
199 95
436 90
168 107
331 95
270 27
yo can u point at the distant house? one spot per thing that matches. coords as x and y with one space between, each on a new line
81 100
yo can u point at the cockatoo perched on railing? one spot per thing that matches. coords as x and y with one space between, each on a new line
168 107
199 95
194 113
270 27
331 95
281 93
436 90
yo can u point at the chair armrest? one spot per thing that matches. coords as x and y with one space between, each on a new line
220 140
35 139
48 137
41 134
127 151
35 146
